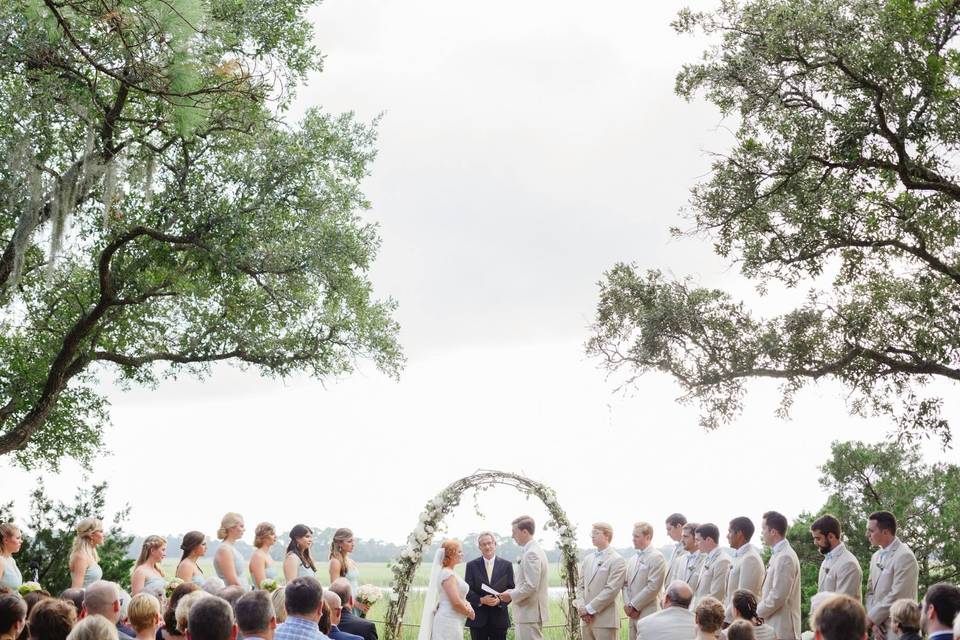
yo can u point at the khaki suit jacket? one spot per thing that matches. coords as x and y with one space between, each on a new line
598 584
747 573
779 602
643 583
677 564
892 578
673 623
713 577
529 597
691 571
842 574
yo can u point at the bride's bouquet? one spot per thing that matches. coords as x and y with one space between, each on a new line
368 595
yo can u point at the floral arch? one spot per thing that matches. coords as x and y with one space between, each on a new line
442 504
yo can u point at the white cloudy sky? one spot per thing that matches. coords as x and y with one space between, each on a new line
525 148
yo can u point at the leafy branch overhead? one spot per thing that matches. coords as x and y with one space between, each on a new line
158 213
842 171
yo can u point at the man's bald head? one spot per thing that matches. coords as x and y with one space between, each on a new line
341 587
334 605
102 598
679 594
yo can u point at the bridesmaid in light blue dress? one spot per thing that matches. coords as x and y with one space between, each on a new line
10 542
147 570
299 561
262 566
342 565
227 561
194 547
84 559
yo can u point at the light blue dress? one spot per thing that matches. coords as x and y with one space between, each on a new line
272 571
238 566
155 585
301 569
12 577
353 576
92 574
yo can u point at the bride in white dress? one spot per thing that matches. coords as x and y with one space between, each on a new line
445 608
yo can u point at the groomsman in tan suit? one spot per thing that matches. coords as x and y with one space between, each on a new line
747 571
893 573
531 608
601 577
779 602
644 579
676 562
716 565
693 561
840 570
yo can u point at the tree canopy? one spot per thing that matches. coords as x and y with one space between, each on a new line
843 179
159 214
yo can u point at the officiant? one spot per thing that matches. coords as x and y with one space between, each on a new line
492 620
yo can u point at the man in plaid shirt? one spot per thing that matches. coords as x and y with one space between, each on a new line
304 608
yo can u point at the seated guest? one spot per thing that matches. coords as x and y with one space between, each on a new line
143 612
13 615
744 607
940 606
674 621
304 609
255 616
231 594
740 630
279 599
102 598
184 606
350 622
213 585
76 597
211 619
170 631
709 618
52 619
905 619
94 627
32 599
839 618
333 607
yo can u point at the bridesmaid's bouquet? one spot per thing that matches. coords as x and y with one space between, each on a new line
27 587
173 584
368 595
270 585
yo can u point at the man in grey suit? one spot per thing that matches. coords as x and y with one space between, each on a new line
840 571
531 606
779 602
716 565
675 621
747 571
600 580
893 573
643 582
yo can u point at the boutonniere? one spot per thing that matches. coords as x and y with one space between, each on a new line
519 560
826 569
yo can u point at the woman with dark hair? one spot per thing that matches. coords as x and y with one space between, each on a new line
745 608
75 597
194 545
52 619
262 566
147 571
342 565
169 629
32 599
13 616
299 561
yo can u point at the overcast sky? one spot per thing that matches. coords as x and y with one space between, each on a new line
525 148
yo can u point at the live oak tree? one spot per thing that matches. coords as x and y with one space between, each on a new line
842 178
158 213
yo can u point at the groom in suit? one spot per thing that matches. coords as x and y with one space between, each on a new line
530 594
492 618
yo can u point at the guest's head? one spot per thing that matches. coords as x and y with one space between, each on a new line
170 613
152 553
213 585
52 619
232 593
94 627
452 553
211 619
740 531
675 522
956 628
601 534
678 594
89 535
905 616
773 528
740 630
333 605
341 587
74 596
13 615
689 537
11 538
708 537
231 527
709 615
522 529
826 533
881 528
102 598
301 539
143 612
33 598
255 615
642 535
839 618
279 598
487 543
264 536
304 598
183 608
744 604
194 544
940 606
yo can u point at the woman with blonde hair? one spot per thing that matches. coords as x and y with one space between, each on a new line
341 565
11 539
227 561
84 559
445 609
905 617
279 598
147 571
93 628
262 566
194 546
709 619
299 562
